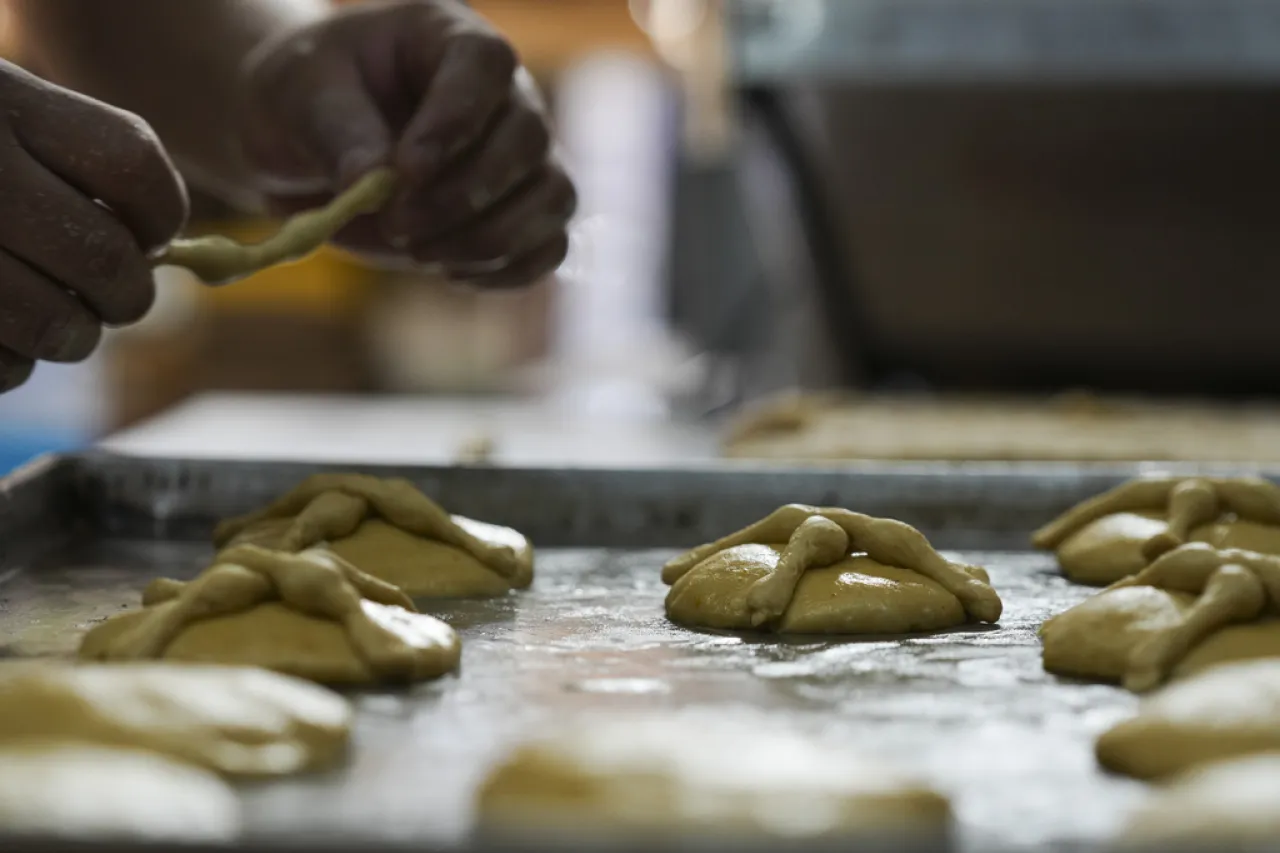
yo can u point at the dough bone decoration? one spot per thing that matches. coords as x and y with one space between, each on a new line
1116 533
216 259
762 575
310 614
390 530
1156 618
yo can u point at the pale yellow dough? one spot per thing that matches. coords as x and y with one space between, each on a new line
1192 608
390 530
687 775
818 570
1237 800
1229 711
312 615
233 720
1117 533
74 790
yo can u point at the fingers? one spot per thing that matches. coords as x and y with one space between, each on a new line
523 221
113 157
46 322
523 270
514 150
464 89
14 369
75 242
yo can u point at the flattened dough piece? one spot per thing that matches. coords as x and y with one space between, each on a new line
92 792
1110 548
701 774
1093 639
234 720
310 614
1232 644
1229 801
425 568
278 638
389 529
854 596
1228 711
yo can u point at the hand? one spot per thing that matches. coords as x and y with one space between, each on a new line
428 87
86 191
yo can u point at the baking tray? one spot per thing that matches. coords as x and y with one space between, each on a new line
971 709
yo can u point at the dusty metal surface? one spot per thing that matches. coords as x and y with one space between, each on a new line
970 709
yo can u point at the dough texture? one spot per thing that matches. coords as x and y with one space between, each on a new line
1229 711
390 530
1115 534
94 793
1144 628
312 615
818 570
233 720
1228 801
686 775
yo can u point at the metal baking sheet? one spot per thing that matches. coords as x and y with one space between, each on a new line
971 709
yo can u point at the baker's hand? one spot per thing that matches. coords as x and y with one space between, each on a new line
86 191
428 87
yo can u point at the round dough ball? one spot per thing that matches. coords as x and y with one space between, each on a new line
279 638
1228 801
425 568
700 775
1245 535
1110 548
91 792
234 720
1232 644
1230 710
855 596
1093 639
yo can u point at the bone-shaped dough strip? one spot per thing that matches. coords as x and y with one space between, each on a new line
216 259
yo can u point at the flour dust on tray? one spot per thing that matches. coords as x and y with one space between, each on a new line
826 570
392 531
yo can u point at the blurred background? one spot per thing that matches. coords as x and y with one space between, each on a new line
975 195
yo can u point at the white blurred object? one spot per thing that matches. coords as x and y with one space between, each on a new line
614 118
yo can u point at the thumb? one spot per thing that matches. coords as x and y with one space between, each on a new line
338 122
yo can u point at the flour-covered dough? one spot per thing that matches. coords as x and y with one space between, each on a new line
389 529
1233 801
311 615
701 774
826 570
234 720
80 791
1225 712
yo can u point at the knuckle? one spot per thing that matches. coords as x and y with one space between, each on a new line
14 370
534 133
490 52
563 196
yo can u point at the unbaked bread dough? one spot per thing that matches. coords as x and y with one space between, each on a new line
88 792
390 530
1117 533
685 775
1228 711
312 615
235 720
807 569
1233 801
812 426
1143 628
